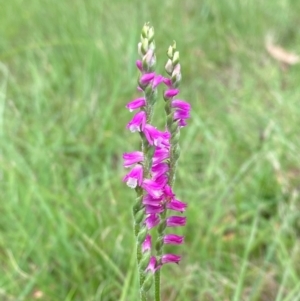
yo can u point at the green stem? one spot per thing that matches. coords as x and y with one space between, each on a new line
157 285
159 253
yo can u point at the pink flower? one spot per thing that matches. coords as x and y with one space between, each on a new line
171 93
154 189
147 78
176 221
176 205
170 258
156 137
167 81
152 265
160 154
168 192
173 239
138 122
146 245
139 65
136 104
158 79
180 104
159 169
132 158
181 114
156 209
151 221
162 180
135 177
149 200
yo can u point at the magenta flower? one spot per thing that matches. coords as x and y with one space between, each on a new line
153 169
135 177
168 192
139 65
151 221
152 265
181 114
146 246
180 104
171 93
176 221
149 200
159 170
176 205
136 104
162 180
138 122
170 258
182 123
167 81
156 209
154 189
132 158
147 78
158 79
156 137
173 239
160 155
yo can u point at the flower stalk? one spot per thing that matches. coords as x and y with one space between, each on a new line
152 173
177 111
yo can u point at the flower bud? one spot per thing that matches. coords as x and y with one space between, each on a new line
145 30
148 282
151 34
169 67
142 235
144 261
175 59
145 46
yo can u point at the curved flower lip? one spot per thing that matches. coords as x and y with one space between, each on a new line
152 265
170 258
151 221
160 154
136 104
138 122
176 205
159 169
149 200
176 221
168 192
132 158
162 181
167 81
173 239
147 77
181 123
135 177
181 114
158 79
156 137
171 93
139 65
146 245
181 104
157 209
153 188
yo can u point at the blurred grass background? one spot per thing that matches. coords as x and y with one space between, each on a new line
67 69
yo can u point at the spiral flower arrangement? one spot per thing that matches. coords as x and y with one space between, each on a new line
153 167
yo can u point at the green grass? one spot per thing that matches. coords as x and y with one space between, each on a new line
67 69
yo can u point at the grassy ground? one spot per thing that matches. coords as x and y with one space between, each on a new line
67 69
